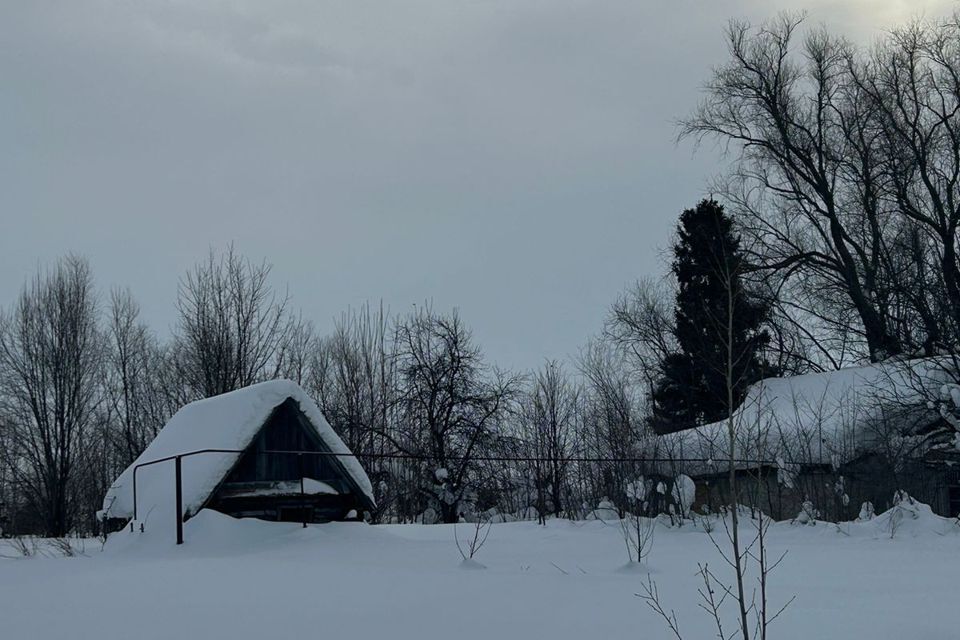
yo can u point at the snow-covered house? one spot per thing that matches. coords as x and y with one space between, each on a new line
267 452
838 437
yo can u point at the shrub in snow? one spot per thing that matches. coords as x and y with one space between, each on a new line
529 513
637 530
841 499
911 517
469 546
493 515
638 490
637 536
949 408
25 546
904 508
866 512
902 499
839 488
684 494
707 521
607 505
808 514
605 510
654 497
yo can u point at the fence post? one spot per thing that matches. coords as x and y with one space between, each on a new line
303 498
134 496
179 501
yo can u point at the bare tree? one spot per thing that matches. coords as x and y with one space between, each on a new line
641 323
723 268
351 374
51 356
451 403
740 553
751 606
805 174
726 268
133 359
613 426
912 82
232 325
549 415
296 351
846 180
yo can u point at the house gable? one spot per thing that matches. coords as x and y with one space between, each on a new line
265 482
223 428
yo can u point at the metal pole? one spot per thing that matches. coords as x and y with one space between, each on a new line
303 499
179 501
134 495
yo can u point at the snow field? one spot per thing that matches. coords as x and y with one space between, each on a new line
242 579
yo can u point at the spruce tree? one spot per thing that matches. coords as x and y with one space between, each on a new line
708 265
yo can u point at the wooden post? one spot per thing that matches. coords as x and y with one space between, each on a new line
179 501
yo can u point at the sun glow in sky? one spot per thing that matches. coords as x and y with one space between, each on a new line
880 14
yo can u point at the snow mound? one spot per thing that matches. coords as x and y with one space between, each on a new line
635 568
910 518
818 417
605 511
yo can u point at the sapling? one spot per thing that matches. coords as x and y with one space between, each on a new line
637 531
725 322
25 546
469 547
65 547
637 536
706 519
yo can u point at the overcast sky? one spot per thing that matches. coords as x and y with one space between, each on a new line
512 158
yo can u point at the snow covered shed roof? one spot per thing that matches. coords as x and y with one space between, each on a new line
228 421
821 418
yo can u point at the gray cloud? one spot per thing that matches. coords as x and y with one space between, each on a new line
512 158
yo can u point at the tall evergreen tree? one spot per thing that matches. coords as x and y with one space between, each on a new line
707 265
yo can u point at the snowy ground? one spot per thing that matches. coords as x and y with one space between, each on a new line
250 579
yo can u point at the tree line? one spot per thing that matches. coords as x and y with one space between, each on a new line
85 385
832 240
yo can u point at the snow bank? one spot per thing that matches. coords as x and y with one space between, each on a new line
908 517
825 418
228 421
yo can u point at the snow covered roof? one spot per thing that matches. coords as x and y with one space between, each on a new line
827 417
228 421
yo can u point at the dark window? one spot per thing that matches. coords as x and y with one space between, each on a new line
285 430
953 494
